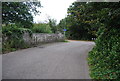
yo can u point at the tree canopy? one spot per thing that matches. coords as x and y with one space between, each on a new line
84 19
19 12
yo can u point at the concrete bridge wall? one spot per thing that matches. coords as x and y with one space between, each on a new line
38 38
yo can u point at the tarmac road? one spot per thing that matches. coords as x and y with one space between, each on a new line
51 61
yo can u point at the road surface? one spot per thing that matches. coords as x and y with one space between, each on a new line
51 61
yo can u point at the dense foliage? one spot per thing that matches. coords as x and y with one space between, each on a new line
79 22
41 28
53 25
13 38
19 13
61 25
104 59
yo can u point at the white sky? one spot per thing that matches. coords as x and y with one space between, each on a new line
56 9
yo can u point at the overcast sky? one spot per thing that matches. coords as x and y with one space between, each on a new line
56 9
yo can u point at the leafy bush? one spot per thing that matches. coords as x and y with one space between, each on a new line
104 59
41 28
13 38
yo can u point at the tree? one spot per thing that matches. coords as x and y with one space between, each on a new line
79 22
19 12
53 25
62 25
85 19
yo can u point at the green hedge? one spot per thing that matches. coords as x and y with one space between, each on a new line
41 28
104 59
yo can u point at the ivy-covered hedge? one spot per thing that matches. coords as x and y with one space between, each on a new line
12 37
104 59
